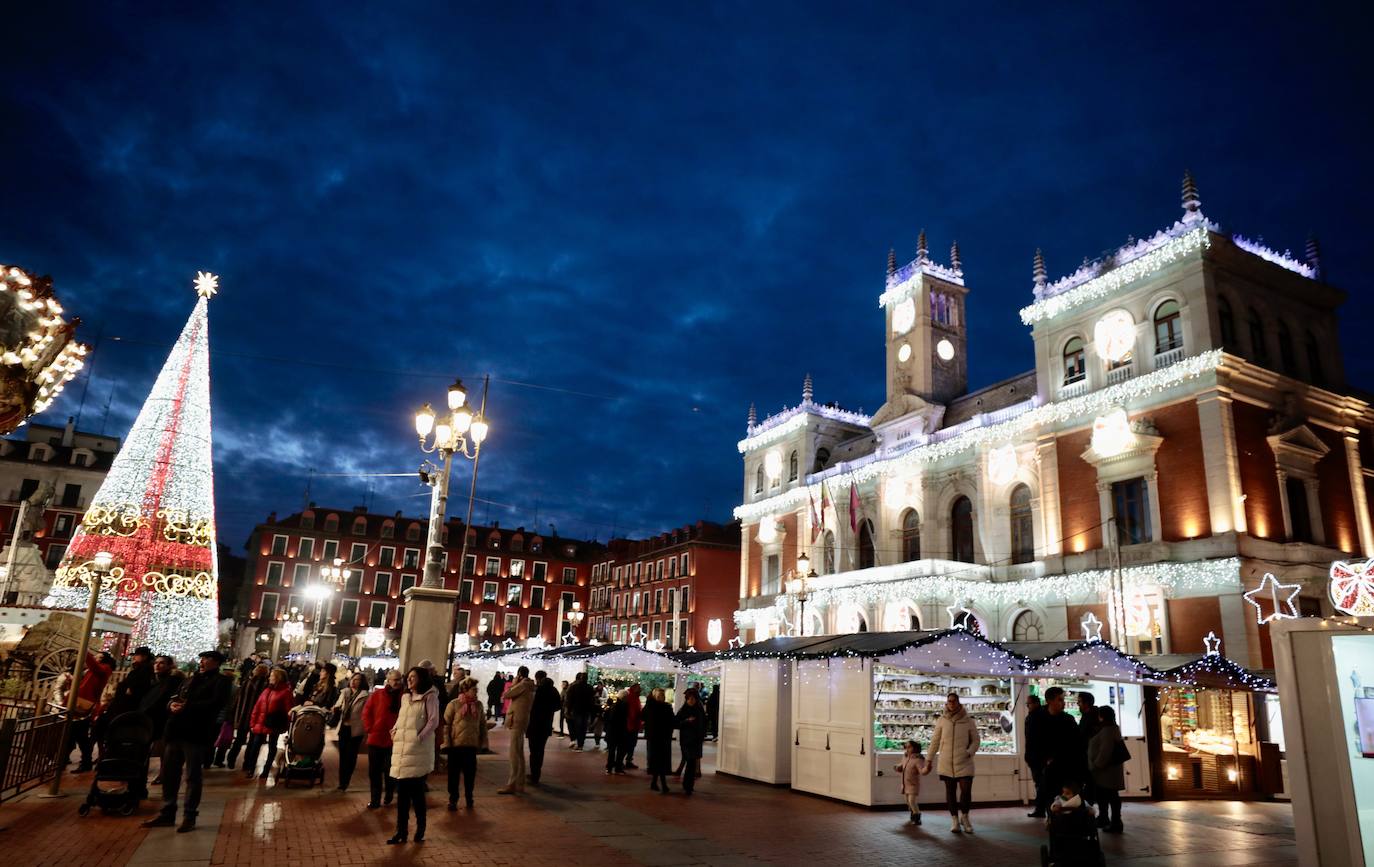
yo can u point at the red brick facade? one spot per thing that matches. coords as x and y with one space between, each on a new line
1182 475
1080 513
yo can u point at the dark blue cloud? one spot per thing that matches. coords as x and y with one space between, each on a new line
655 215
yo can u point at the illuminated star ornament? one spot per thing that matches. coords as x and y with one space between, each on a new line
637 636
1352 588
155 510
508 644
735 642
960 617
1092 627
486 646
1280 596
1213 644
569 640
207 284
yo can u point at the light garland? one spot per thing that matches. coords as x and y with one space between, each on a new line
154 511
935 449
902 582
1079 288
1283 260
906 280
45 356
792 419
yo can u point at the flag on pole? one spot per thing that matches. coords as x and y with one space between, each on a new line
825 503
815 519
853 508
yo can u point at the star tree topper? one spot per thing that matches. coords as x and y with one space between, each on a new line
1281 596
207 284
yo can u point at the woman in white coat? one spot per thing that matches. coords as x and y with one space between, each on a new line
412 751
951 756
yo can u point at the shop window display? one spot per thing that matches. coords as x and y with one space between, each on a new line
1208 738
906 705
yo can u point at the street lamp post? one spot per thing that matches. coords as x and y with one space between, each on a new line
97 575
332 578
575 615
460 432
799 588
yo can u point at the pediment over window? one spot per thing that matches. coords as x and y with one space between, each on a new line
1297 450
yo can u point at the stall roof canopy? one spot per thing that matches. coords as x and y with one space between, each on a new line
1211 671
786 646
624 656
1090 660
696 660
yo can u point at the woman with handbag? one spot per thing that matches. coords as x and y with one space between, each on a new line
348 712
379 715
463 734
271 717
412 752
1107 757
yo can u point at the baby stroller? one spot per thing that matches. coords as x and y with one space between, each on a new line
1073 840
121 775
304 747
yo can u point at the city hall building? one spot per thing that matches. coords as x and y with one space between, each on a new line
1186 431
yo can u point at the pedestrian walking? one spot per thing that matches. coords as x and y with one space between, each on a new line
495 687
166 684
692 721
240 717
190 723
1065 756
614 720
463 735
1037 751
379 716
579 707
563 709
518 698
659 722
912 766
352 699
542 709
1087 727
713 713
412 752
633 722
951 756
1107 757
271 717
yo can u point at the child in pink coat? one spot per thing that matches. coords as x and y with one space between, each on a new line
912 765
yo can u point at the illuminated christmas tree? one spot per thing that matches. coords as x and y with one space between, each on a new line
155 511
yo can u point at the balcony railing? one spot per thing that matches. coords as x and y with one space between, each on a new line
1168 357
1073 389
1120 374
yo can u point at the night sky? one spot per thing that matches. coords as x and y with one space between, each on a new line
636 217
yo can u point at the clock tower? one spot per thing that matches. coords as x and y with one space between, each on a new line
927 342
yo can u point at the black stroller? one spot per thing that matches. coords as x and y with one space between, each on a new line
305 739
121 775
1073 840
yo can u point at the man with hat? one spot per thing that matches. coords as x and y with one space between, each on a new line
129 693
191 718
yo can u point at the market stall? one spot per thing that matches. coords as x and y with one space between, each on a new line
756 709
616 666
857 698
1210 725
1113 678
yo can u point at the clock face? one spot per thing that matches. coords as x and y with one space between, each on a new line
945 350
904 353
903 316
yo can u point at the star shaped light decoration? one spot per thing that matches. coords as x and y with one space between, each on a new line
207 284
735 642
1281 595
637 636
1213 644
569 639
1092 627
508 644
959 616
486 646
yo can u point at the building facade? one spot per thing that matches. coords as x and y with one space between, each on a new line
515 585
57 470
677 590
1186 431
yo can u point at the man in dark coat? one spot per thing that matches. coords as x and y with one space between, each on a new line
1037 749
543 708
190 721
1066 757
240 716
713 713
130 691
581 707
495 687
615 721
1088 725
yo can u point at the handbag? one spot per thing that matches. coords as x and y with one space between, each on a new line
226 735
1120 755
277 721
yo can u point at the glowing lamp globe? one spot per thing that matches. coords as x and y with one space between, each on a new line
772 464
424 420
713 631
1114 336
904 353
945 350
903 316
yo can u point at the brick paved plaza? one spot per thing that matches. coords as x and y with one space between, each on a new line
579 816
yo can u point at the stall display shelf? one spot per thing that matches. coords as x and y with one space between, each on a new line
907 704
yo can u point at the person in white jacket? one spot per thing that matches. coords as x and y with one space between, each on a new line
951 756
412 751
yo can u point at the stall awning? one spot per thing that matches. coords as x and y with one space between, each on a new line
777 648
1088 660
698 661
952 651
1211 671
625 656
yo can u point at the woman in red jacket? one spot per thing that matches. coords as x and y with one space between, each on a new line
379 717
271 717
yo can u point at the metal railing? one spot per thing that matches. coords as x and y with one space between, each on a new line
1168 357
28 748
1121 373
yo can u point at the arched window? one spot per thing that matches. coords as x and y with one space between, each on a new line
1022 537
1314 361
1027 627
828 553
911 536
307 520
1258 351
1074 367
1168 327
867 559
961 530
360 526
388 529
1227 321
822 458
331 523
792 468
758 480
413 533
1287 358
